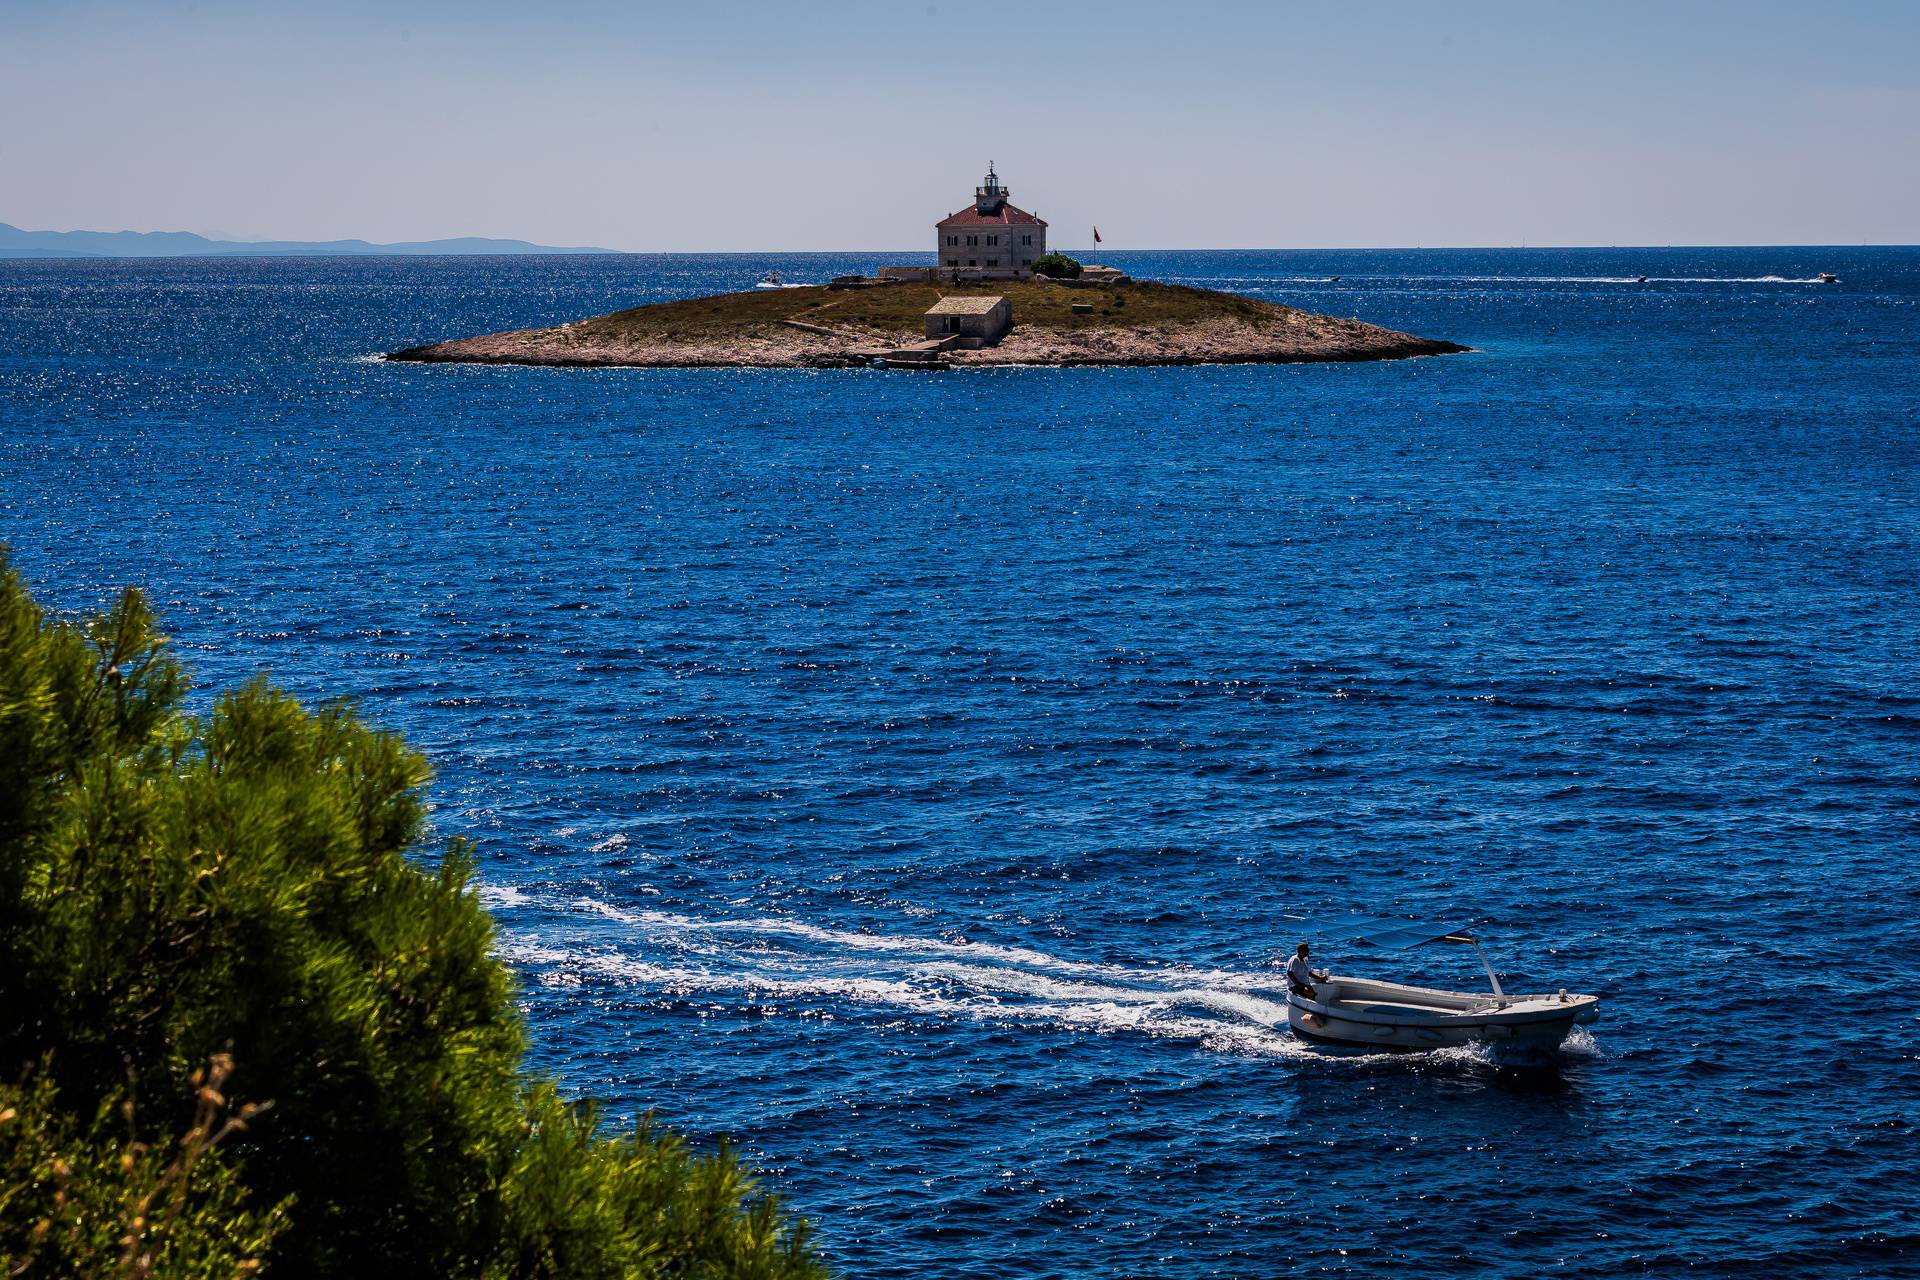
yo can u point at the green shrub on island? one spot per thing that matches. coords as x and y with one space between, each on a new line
236 989
1057 265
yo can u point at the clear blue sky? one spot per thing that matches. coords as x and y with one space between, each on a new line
733 126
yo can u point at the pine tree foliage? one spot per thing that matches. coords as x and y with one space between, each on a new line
250 887
98 1200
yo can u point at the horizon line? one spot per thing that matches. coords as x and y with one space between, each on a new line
557 251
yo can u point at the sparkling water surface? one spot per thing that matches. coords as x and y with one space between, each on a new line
911 775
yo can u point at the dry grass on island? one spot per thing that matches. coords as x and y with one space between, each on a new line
1132 323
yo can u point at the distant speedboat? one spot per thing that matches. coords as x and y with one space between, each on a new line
1348 1012
1827 277
1333 279
1639 279
771 280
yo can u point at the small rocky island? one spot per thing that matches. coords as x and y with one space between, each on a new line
990 300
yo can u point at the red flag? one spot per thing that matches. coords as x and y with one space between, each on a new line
1096 235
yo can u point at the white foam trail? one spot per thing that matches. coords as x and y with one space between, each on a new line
1233 1003
1386 280
1580 1044
925 976
851 940
974 993
755 988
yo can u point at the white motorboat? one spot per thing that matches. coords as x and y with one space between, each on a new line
771 280
1365 1013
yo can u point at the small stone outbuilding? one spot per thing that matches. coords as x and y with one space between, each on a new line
976 321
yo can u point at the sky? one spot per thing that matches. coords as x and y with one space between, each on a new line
717 126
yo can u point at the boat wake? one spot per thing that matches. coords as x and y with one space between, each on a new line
779 965
1360 281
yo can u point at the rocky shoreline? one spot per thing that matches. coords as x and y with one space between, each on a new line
1133 324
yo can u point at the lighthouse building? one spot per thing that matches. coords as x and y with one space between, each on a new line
991 236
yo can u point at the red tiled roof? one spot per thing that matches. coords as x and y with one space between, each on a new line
1005 216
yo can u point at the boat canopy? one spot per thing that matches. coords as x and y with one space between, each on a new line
1394 932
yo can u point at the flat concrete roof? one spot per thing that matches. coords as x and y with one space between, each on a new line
964 306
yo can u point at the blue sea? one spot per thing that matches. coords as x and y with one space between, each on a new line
913 776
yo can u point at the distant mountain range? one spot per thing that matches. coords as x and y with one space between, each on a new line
15 243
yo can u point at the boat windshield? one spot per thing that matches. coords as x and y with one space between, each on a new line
1393 932
1397 934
